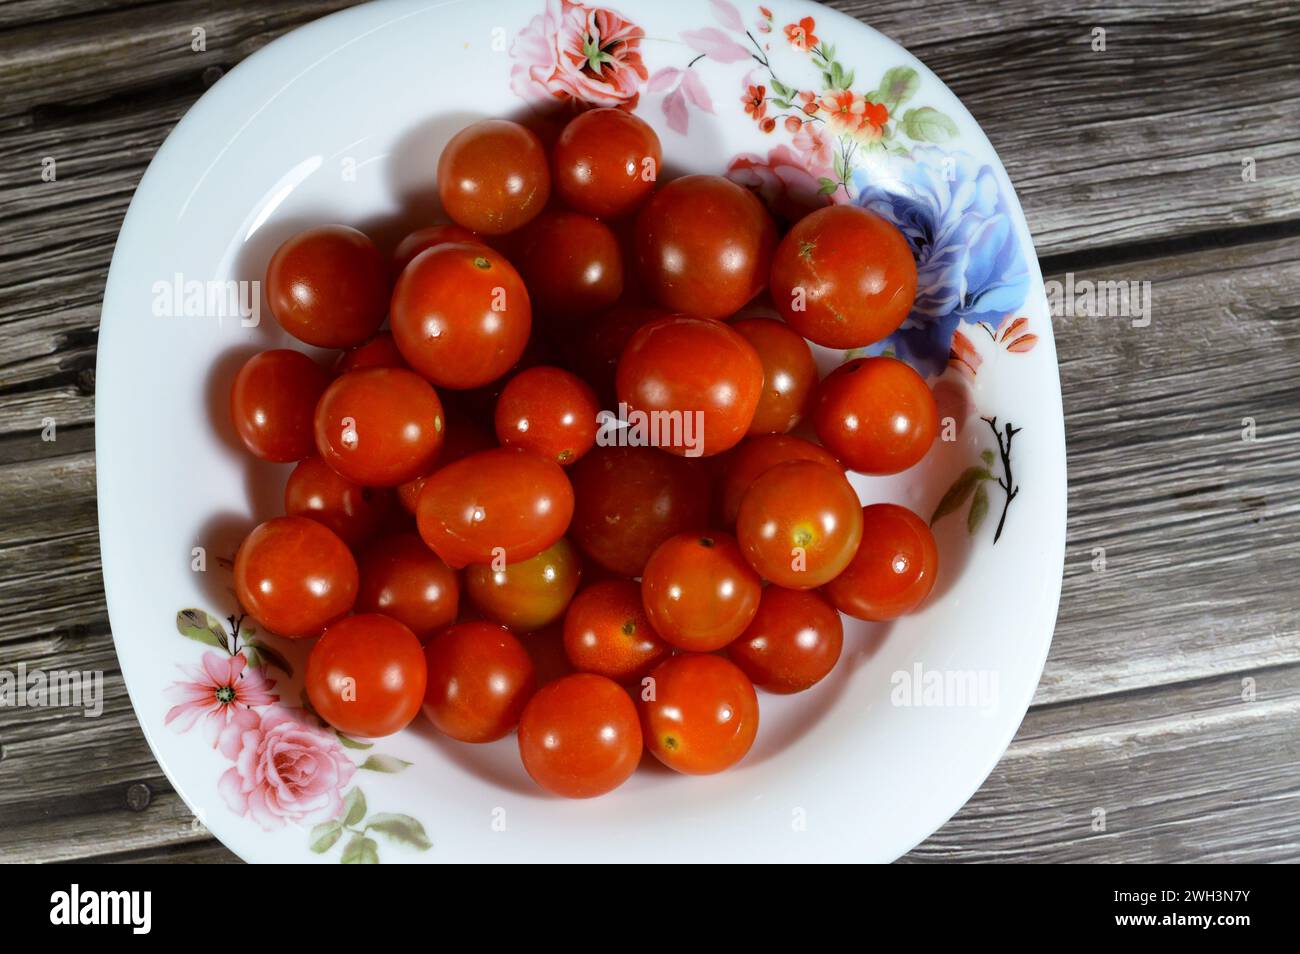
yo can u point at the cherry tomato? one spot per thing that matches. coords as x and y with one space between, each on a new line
704 714
272 401
844 277
402 578
295 576
757 455
579 736
876 415
571 264
354 512
793 642
631 499
493 177
800 524
464 436
379 352
704 246
379 426
606 162
606 631
529 594
600 343
699 592
365 676
789 374
428 237
461 315
505 503
699 376
480 678
893 570
328 286
549 412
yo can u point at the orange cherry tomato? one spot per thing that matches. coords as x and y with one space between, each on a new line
894 569
529 594
580 736
606 162
789 374
793 642
876 415
479 679
402 578
699 592
606 631
272 403
755 456
354 512
295 576
548 411
425 238
703 716
365 676
493 177
328 286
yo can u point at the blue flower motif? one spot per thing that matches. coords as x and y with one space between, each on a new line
970 266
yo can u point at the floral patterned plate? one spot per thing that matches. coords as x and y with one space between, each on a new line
343 120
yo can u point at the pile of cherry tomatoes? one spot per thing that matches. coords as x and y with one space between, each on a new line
452 512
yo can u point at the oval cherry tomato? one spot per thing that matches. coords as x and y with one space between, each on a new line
876 415
272 403
844 277
606 631
493 177
579 736
800 524
789 374
704 714
628 500
685 372
461 315
699 592
757 455
606 162
793 642
572 266
704 246
549 412
379 426
402 578
426 238
379 352
531 593
354 512
893 570
508 503
295 576
464 436
480 678
365 676
328 286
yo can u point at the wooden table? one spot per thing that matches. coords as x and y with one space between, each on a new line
1167 723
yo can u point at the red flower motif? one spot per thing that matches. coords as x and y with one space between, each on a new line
792 124
963 356
1010 337
809 101
801 35
767 125
755 100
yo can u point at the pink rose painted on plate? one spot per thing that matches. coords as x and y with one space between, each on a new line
581 54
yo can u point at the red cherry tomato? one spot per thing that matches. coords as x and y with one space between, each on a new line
893 570
328 286
600 343
493 177
606 631
579 736
789 374
549 412
354 512
295 576
704 246
402 578
379 426
506 503
876 415
464 436
704 714
365 676
379 352
699 592
571 264
529 594
606 162
628 500
844 277
427 238
272 401
800 524
793 642
688 371
461 315
756 456
480 678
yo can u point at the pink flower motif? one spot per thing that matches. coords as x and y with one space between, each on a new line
812 142
801 35
572 52
784 180
792 124
221 692
808 99
286 770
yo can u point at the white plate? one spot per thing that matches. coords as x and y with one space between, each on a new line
342 121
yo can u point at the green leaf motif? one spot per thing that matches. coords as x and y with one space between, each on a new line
781 89
979 508
202 627
400 828
986 455
354 808
898 85
827 186
348 743
266 656
928 125
360 851
385 763
961 488
324 835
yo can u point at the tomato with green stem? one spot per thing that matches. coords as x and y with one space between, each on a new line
754 457
548 411
606 631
